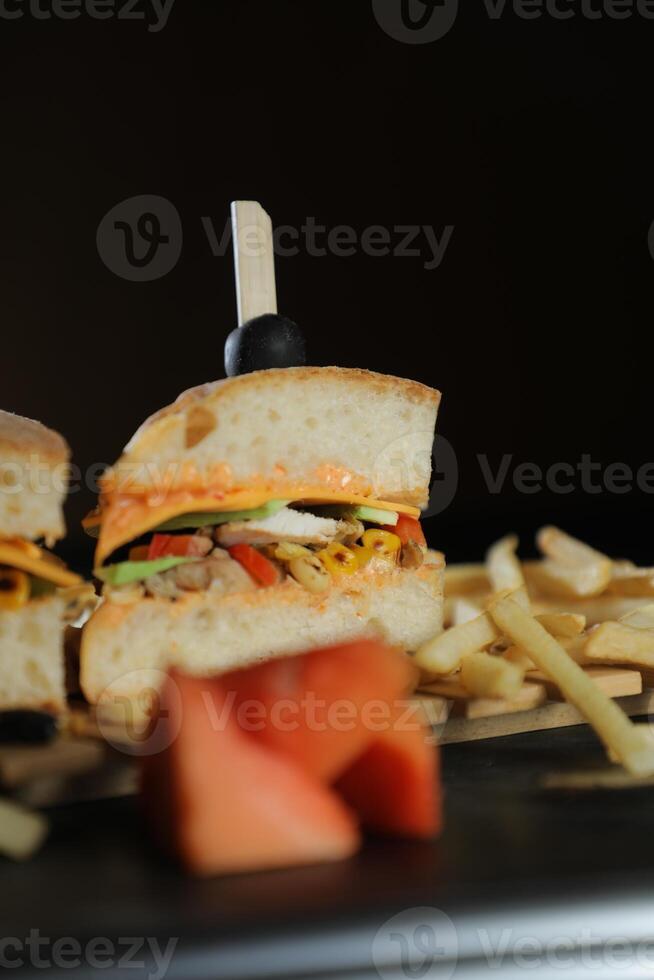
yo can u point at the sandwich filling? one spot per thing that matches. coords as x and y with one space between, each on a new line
28 572
229 552
125 516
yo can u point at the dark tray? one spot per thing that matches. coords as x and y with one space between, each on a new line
550 879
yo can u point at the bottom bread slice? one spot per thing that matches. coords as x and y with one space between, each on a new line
32 656
126 648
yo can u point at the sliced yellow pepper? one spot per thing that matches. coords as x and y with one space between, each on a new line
339 560
383 544
363 555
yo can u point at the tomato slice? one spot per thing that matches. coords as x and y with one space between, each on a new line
224 802
408 529
255 564
172 545
139 553
395 785
359 675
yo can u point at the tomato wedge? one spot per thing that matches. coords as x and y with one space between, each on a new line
255 564
224 802
173 546
409 529
395 785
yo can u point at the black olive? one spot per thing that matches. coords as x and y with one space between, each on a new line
268 341
33 727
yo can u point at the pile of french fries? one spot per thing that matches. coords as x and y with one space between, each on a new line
575 607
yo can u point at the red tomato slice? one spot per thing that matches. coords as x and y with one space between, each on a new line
255 564
173 546
139 553
224 802
302 698
395 786
408 529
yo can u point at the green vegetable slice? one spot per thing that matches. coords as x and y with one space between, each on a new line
373 515
213 518
136 571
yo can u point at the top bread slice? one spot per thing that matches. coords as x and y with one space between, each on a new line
292 432
33 478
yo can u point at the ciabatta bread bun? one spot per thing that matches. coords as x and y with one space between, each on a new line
33 478
127 647
32 656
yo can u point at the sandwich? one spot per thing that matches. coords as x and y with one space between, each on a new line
38 594
261 516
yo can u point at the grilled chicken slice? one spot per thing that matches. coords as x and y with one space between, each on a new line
286 525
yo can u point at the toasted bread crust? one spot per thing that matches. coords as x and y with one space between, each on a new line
33 473
21 438
213 391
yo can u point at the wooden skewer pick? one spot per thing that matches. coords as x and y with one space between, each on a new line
254 260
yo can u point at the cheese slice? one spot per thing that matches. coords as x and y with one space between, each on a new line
125 517
28 557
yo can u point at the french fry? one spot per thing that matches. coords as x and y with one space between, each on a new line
563 624
568 627
570 581
462 610
575 647
516 655
444 653
618 643
641 618
519 595
623 568
464 579
503 567
632 745
628 579
597 609
486 676
570 567
563 548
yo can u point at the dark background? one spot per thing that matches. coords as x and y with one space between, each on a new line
531 137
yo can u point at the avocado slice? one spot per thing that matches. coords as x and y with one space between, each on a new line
212 518
126 572
373 515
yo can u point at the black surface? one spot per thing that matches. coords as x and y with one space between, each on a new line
529 135
513 857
